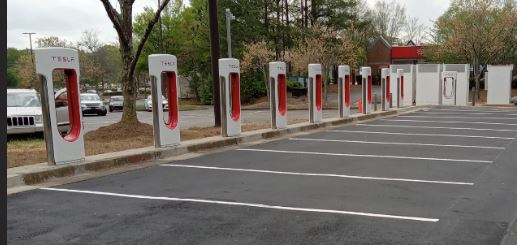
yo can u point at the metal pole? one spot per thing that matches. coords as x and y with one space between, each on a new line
30 44
214 51
229 18
161 30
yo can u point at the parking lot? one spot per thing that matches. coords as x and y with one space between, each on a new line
434 176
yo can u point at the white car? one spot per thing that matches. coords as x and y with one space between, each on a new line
24 114
149 103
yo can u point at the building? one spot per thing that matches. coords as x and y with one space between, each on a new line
381 54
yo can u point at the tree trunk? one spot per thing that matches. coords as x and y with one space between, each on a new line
129 88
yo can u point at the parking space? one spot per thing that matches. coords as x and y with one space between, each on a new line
427 177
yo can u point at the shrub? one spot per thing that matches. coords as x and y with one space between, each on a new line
252 87
293 84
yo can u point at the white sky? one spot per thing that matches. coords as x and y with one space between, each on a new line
69 18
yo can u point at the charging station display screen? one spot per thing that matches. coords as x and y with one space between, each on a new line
347 90
171 93
318 93
70 100
235 96
282 94
369 89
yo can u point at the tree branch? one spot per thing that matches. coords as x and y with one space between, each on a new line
147 33
115 18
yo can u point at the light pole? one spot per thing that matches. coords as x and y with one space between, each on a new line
30 40
161 30
229 18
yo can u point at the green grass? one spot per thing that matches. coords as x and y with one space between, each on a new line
26 142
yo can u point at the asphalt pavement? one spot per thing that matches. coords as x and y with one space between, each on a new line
439 176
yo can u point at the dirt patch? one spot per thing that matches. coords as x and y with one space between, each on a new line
112 138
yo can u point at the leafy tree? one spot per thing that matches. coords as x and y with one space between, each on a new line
13 79
53 41
256 58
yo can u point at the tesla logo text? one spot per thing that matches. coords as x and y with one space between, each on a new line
234 66
168 63
64 59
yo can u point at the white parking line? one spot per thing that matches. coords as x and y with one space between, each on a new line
319 174
455 113
397 143
435 127
494 111
367 156
430 135
456 117
255 205
467 122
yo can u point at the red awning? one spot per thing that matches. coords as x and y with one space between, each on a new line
410 52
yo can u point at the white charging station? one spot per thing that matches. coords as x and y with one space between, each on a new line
70 147
315 93
448 87
462 82
278 94
499 84
400 88
408 89
428 84
366 82
344 99
163 71
385 89
230 86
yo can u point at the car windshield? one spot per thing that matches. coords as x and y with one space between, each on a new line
23 100
89 97
117 98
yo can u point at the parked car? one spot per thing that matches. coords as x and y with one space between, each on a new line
149 103
92 104
116 103
514 100
24 113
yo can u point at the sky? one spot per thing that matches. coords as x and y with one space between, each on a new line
67 19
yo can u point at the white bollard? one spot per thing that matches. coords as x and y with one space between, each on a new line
278 94
68 148
344 90
229 76
163 71
315 93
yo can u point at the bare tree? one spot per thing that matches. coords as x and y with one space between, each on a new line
123 24
389 19
89 41
414 30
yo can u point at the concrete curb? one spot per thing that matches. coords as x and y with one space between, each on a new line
40 173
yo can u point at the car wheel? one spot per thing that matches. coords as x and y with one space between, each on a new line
103 113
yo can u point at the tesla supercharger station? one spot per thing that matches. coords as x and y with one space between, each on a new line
344 90
230 82
448 87
385 89
315 93
278 94
366 78
409 84
163 71
400 88
70 147
462 81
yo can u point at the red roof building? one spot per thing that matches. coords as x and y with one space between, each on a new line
381 54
